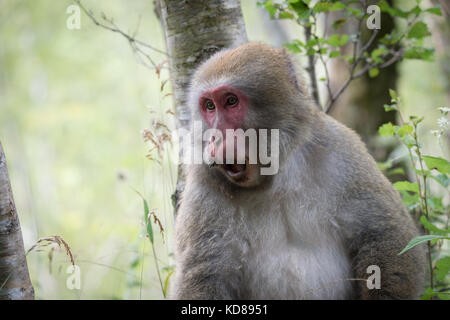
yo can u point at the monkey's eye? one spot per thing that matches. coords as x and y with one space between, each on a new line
232 100
209 105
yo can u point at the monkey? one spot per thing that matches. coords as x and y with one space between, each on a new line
312 230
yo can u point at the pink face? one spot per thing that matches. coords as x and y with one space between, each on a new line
222 108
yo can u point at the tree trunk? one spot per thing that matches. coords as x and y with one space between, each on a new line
15 281
194 30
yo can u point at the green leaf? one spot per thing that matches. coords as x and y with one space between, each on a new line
339 23
442 179
396 171
268 5
428 294
311 43
406 186
135 263
419 53
442 268
356 12
322 6
435 10
440 164
294 48
411 201
421 239
337 6
301 9
416 120
311 52
335 54
391 38
166 282
385 7
422 172
285 15
333 40
390 107
386 130
435 203
373 72
299 43
409 141
393 95
337 40
442 295
148 222
385 165
418 31
344 39
416 10
377 53
431 227
405 129
393 12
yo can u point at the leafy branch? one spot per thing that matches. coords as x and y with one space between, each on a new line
434 215
366 58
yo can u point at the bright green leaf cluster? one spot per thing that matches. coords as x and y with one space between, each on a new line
418 197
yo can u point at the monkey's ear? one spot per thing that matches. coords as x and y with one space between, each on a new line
294 79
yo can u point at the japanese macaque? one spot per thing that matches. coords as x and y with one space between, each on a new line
316 229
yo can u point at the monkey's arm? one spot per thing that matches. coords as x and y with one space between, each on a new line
381 236
205 265
198 277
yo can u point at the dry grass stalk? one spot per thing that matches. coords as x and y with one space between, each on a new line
55 239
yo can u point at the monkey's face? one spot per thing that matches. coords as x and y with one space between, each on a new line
231 146
250 99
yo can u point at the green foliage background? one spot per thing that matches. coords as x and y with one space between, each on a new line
72 106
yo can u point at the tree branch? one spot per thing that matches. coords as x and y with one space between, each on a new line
135 44
312 70
352 76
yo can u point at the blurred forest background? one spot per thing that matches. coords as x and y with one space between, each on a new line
73 104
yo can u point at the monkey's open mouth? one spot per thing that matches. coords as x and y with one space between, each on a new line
236 172
244 175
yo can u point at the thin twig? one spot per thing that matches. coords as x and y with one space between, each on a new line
312 70
396 55
423 197
324 63
135 44
352 76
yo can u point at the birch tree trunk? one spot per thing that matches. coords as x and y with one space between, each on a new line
194 30
15 281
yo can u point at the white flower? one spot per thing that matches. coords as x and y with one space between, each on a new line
436 133
443 122
444 109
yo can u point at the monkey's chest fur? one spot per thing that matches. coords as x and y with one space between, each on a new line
265 249
291 257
